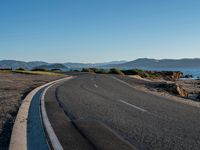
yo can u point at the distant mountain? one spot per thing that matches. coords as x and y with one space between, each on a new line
109 63
13 64
145 63
33 64
51 66
87 65
70 65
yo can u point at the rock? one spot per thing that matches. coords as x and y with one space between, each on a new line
188 76
181 91
176 75
198 78
167 75
173 88
198 97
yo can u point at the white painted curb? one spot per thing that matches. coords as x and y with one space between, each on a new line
47 125
19 133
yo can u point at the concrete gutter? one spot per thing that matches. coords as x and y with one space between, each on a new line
19 133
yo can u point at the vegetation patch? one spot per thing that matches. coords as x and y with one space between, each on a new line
167 75
52 73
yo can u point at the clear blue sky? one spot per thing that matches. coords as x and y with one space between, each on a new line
99 30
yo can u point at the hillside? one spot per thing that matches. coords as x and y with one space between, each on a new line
51 66
146 63
13 64
143 63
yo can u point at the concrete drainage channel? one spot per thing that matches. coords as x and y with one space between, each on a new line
25 128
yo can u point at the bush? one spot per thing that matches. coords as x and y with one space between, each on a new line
116 71
22 69
87 70
145 75
39 69
133 72
101 71
76 70
56 70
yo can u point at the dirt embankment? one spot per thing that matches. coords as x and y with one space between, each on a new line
13 88
182 88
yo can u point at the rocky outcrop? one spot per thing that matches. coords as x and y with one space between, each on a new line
176 75
167 75
173 88
181 91
198 97
170 75
188 76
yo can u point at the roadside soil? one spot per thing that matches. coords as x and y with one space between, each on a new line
13 89
153 86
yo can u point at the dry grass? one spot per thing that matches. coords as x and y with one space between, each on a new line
13 89
37 72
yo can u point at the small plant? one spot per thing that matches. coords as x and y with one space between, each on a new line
116 71
56 70
101 71
87 70
39 69
21 69
133 72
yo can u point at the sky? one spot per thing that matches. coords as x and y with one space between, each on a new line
99 30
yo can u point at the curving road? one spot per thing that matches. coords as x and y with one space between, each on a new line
103 112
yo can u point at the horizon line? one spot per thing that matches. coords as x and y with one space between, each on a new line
100 62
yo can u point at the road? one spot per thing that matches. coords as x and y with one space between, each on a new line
102 112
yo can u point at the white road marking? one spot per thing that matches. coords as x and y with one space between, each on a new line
136 107
95 85
124 82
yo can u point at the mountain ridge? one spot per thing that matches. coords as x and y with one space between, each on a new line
142 63
15 64
147 63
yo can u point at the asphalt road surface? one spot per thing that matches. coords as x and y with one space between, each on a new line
102 112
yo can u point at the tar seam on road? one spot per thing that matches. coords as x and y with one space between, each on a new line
72 118
51 134
136 107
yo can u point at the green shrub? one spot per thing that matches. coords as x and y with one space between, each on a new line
95 70
101 71
144 75
76 70
20 69
87 70
133 72
56 70
116 71
39 69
